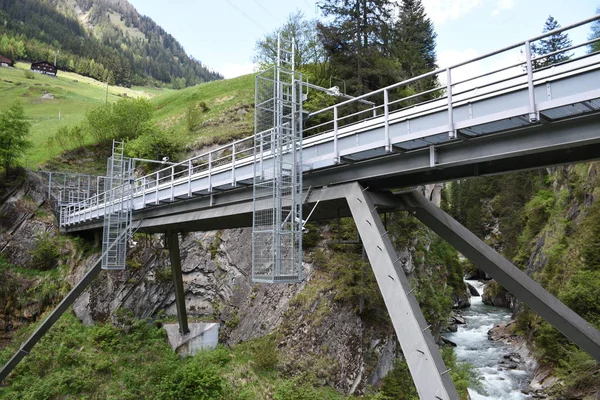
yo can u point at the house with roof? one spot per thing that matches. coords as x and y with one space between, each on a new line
6 62
44 67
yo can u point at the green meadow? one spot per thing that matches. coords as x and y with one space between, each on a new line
227 111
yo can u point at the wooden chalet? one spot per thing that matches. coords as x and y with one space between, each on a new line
6 62
44 67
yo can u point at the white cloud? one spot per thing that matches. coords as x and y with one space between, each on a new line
442 10
447 58
232 70
502 5
452 57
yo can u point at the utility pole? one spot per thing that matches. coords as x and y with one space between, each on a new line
57 52
106 95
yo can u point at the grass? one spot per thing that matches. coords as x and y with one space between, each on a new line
224 99
73 96
133 360
229 115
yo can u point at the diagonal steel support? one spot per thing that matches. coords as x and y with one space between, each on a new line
53 317
505 273
173 244
419 348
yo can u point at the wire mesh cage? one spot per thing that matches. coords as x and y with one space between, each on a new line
277 217
117 216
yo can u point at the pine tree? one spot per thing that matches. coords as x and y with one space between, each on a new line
551 44
413 46
414 40
595 34
356 41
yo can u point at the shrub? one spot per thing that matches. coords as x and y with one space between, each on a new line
193 380
28 74
265 354
45 254
157 143
398 383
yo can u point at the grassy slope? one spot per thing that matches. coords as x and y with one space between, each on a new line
229 102
74 95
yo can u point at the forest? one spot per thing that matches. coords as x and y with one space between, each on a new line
33 30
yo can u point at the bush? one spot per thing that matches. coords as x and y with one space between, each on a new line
193 380
265 354
45 254
398 383
28 74
125 119
157 143
312 237
193 115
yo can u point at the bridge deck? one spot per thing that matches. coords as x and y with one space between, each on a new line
492 123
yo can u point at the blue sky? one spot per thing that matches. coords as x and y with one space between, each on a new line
222 33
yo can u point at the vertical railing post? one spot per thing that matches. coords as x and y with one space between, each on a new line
157 182
336 152
451 131
386 117
172 182
233 182
209 172
143 192
190 170
533 116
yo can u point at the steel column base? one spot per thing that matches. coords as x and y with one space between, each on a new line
422 355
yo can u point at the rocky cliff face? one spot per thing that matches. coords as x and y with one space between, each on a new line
216 270
314 330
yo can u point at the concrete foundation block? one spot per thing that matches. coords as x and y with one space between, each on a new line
202 336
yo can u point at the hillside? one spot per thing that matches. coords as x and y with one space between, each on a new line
102 39
68 96
227 114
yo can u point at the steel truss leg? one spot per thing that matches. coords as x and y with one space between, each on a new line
422 355
173 244
513 279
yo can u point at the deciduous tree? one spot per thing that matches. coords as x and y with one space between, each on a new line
14 132
308 48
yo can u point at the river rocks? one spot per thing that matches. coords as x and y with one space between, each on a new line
462 300
472 290
496 295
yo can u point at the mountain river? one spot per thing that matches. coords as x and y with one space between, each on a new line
474 347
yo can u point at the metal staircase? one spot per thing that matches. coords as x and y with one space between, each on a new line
117 219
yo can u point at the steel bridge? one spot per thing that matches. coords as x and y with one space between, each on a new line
522 115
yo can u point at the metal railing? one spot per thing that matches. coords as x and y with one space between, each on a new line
344 113
442 91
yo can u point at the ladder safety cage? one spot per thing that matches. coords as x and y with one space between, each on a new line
277 192
117 217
